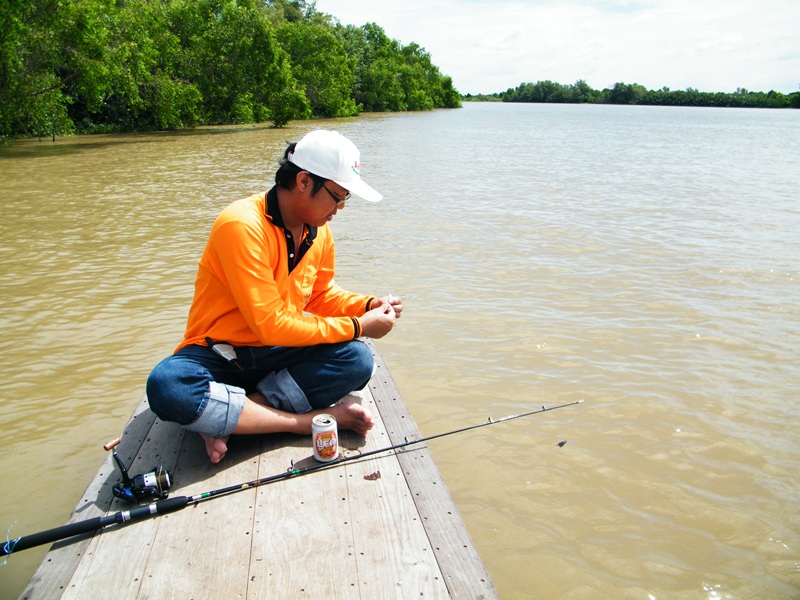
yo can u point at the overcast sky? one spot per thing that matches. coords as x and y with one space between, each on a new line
492 45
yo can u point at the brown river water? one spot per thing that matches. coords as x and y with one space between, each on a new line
645 260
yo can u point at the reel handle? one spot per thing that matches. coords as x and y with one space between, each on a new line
112 444
140 487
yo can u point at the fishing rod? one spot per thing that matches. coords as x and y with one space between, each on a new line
162 507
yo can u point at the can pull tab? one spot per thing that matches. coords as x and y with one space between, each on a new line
226 351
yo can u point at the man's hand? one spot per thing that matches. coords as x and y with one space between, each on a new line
390 300
379 321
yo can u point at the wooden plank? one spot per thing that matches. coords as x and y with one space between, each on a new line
119 553
58 567
203 551
395 558
465 574
300 536
353 535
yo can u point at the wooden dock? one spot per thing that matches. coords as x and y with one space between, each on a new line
336 533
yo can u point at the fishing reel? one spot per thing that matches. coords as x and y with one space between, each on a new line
145 487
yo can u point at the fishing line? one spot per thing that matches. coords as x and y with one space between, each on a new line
169 505
10 545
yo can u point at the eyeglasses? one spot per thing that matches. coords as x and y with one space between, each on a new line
339 201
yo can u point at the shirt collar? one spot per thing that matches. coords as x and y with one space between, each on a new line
273 212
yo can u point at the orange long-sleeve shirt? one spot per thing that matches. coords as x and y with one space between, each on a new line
246 294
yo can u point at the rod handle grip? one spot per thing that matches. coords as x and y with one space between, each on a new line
91 525
51 535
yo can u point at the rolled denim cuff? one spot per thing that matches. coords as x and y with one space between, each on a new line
282 392
223 407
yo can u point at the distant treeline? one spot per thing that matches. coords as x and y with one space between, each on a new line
134 65
623 93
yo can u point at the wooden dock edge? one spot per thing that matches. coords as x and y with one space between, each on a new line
464 573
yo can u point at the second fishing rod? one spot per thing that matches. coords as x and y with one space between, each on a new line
177 503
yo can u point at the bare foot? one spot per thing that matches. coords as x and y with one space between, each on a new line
352 417
215 447
257 418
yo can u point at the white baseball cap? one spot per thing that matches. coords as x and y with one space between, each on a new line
330 155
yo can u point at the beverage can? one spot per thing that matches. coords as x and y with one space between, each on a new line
326 438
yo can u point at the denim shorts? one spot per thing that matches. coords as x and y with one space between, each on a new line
205 392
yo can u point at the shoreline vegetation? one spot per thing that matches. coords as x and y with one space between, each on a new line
109 66
115 66
623 93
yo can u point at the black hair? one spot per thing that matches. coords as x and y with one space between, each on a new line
286 176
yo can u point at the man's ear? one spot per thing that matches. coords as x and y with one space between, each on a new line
303 181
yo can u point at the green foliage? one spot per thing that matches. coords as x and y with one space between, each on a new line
127 65
31 102
483 97
143 90
230 54
392 77
622 93
322 66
